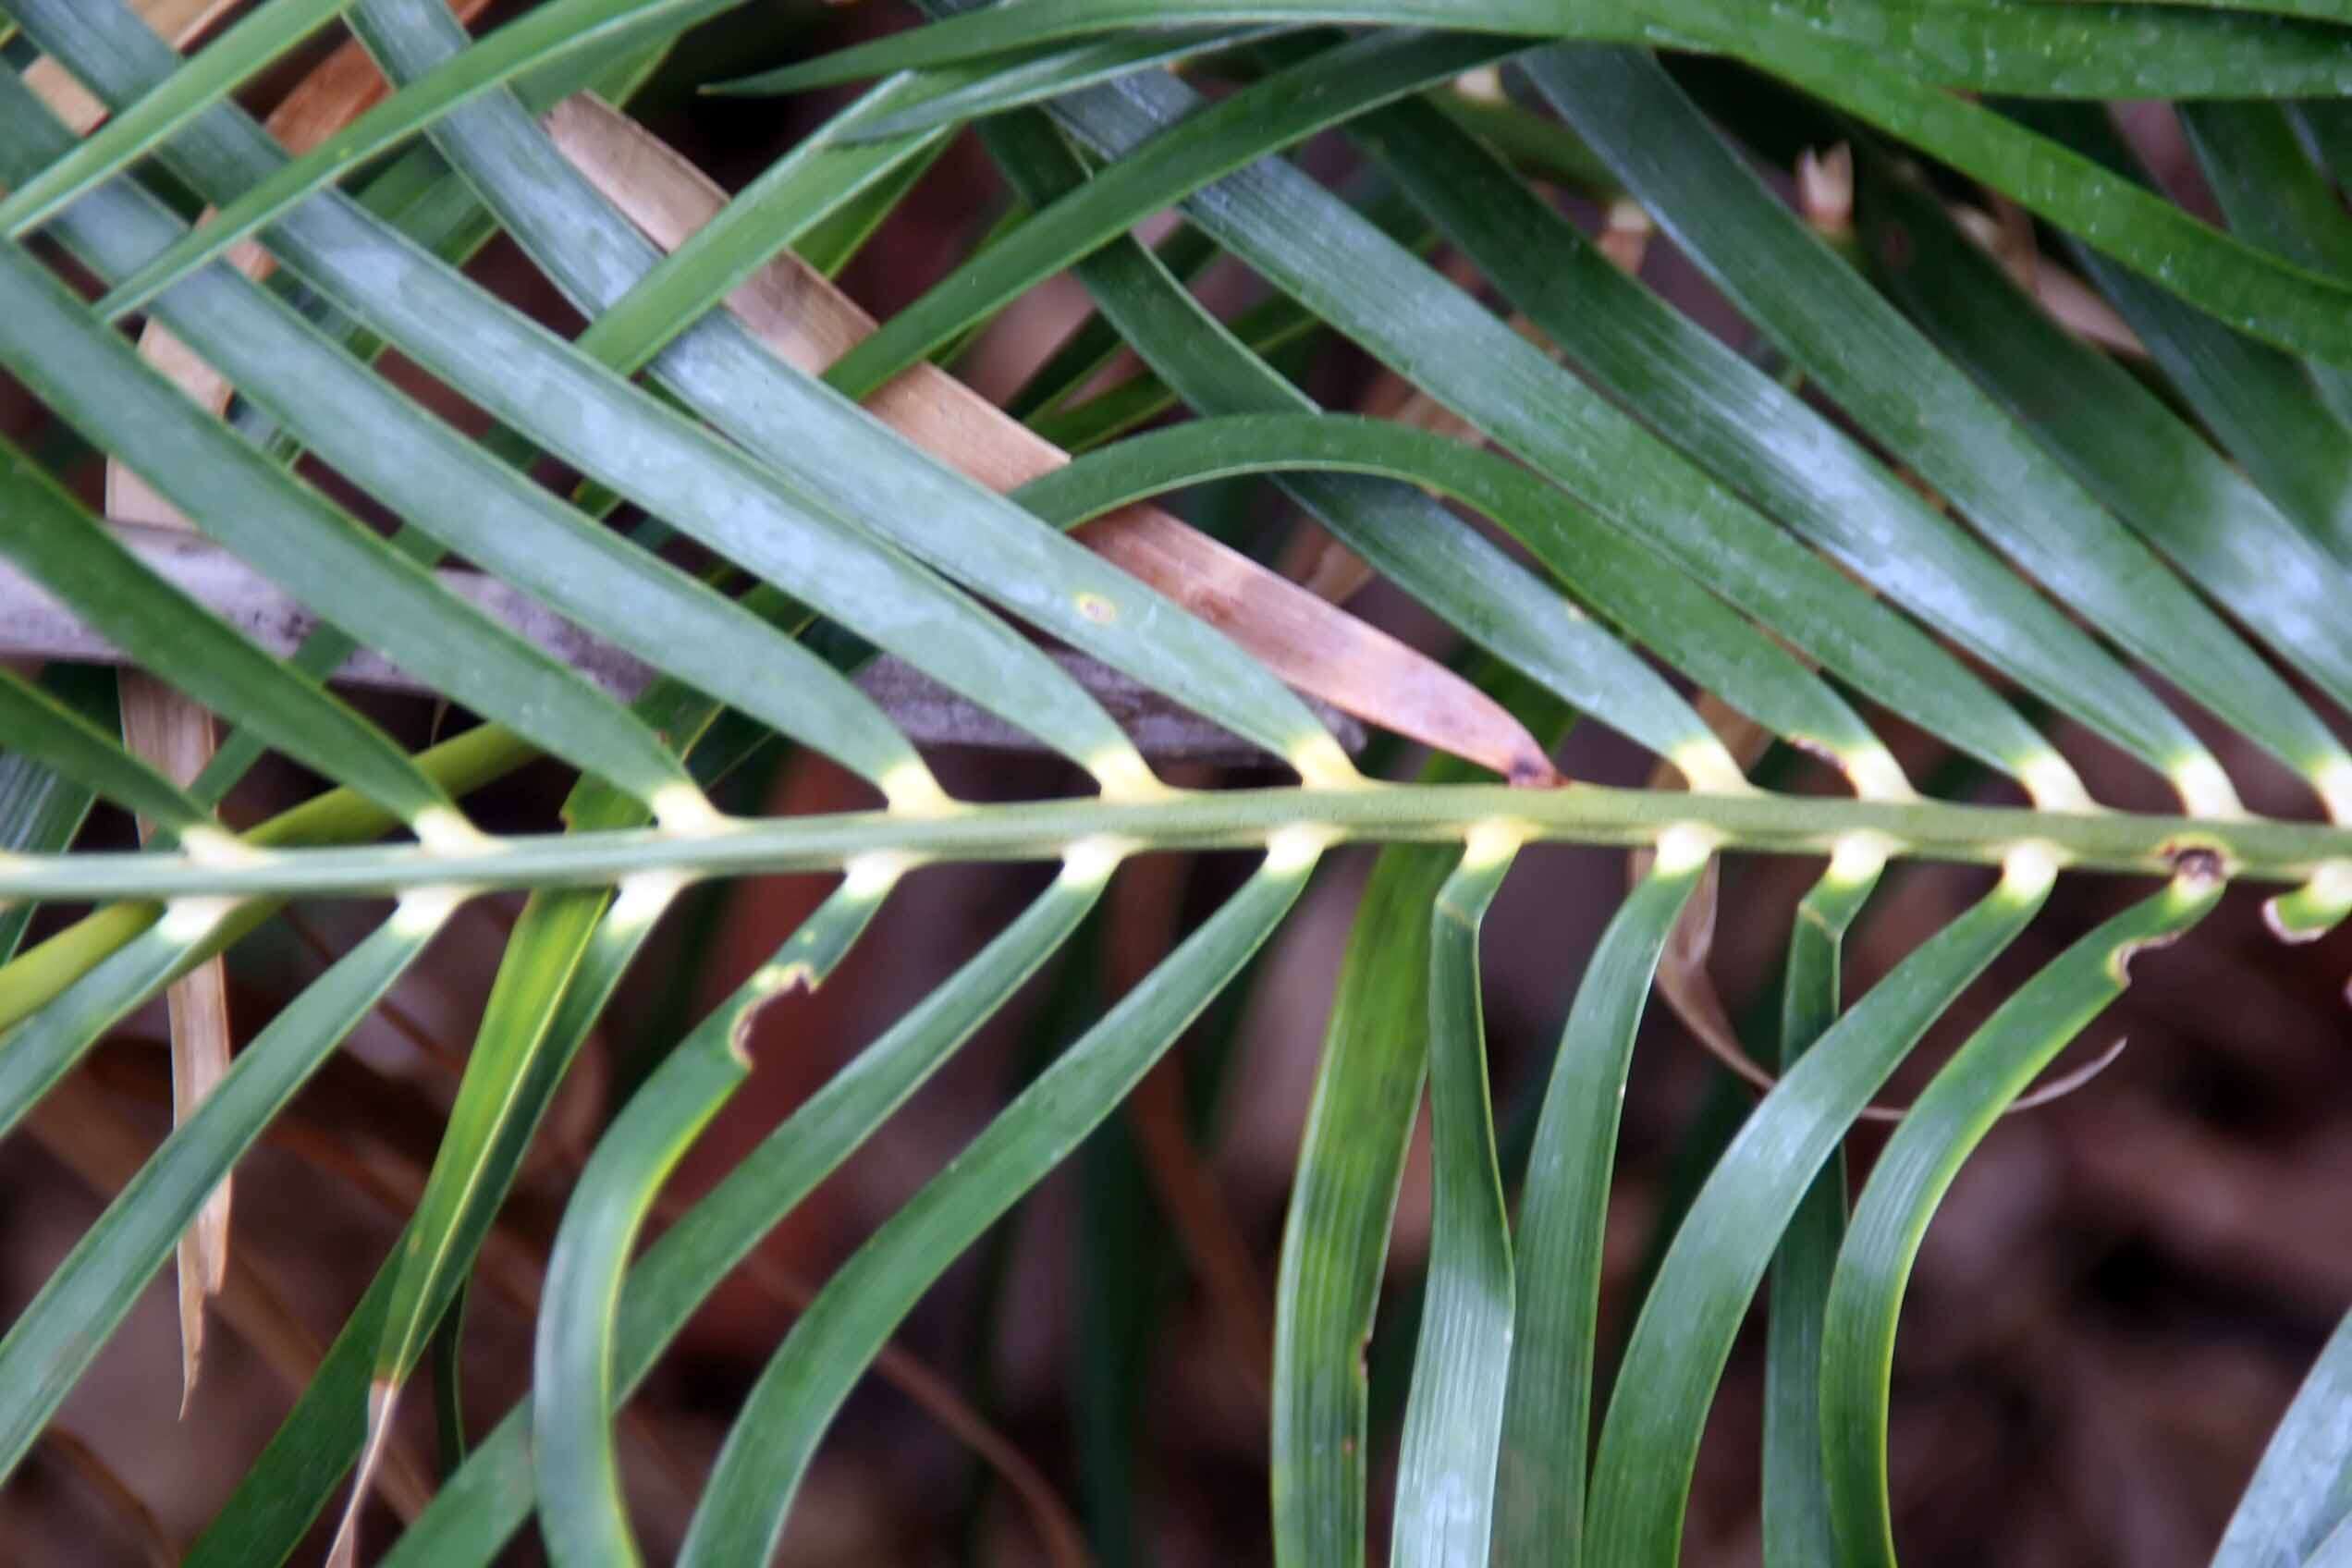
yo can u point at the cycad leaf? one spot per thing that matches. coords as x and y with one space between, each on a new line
1541 1484
1916 1168
759 1469
54 1339
807 322
2275 196
1451 569
1892 383
1314 247
2299 1506
319 552
215 71
595 419
2250 289
1797 1525
853 149
2255 398
491 1496
45 531
1760 437
843 458
37 725
1461 1368
2117 437
2074 51
414 462
1649 1442
1330 87
582 1517
1650 596
1344 1197
542 38
1335 1237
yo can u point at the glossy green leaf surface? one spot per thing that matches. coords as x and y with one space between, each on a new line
1649 1442
1462 1364
795 1398
1540 1485
52 1341
1795 1509
582 1517
1916 1169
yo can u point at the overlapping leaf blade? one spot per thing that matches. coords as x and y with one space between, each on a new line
1917 1167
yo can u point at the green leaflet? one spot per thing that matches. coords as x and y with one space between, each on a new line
1892 382
209 76
507 525
56 542
1288 106
541 38
844 460
759 1469
1758 437
40 810
1647 596
94 379
492 1494
47 1045
1095 345
284 1490
583 1517
1797 1531
674 467
846 155
2255 398
1541 1483
2117 437
1453 570
2275 196
1335 1234
2078 51
86 1298
34 978
1649 1442
1916 1169
1461 1368
1013 84
1313 245
414 461
905 118
2297 1507
566 954
565 961
2250 289
37 725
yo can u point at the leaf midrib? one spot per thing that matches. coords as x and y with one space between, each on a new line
2258 849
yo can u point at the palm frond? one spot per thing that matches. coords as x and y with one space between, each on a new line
1924 499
